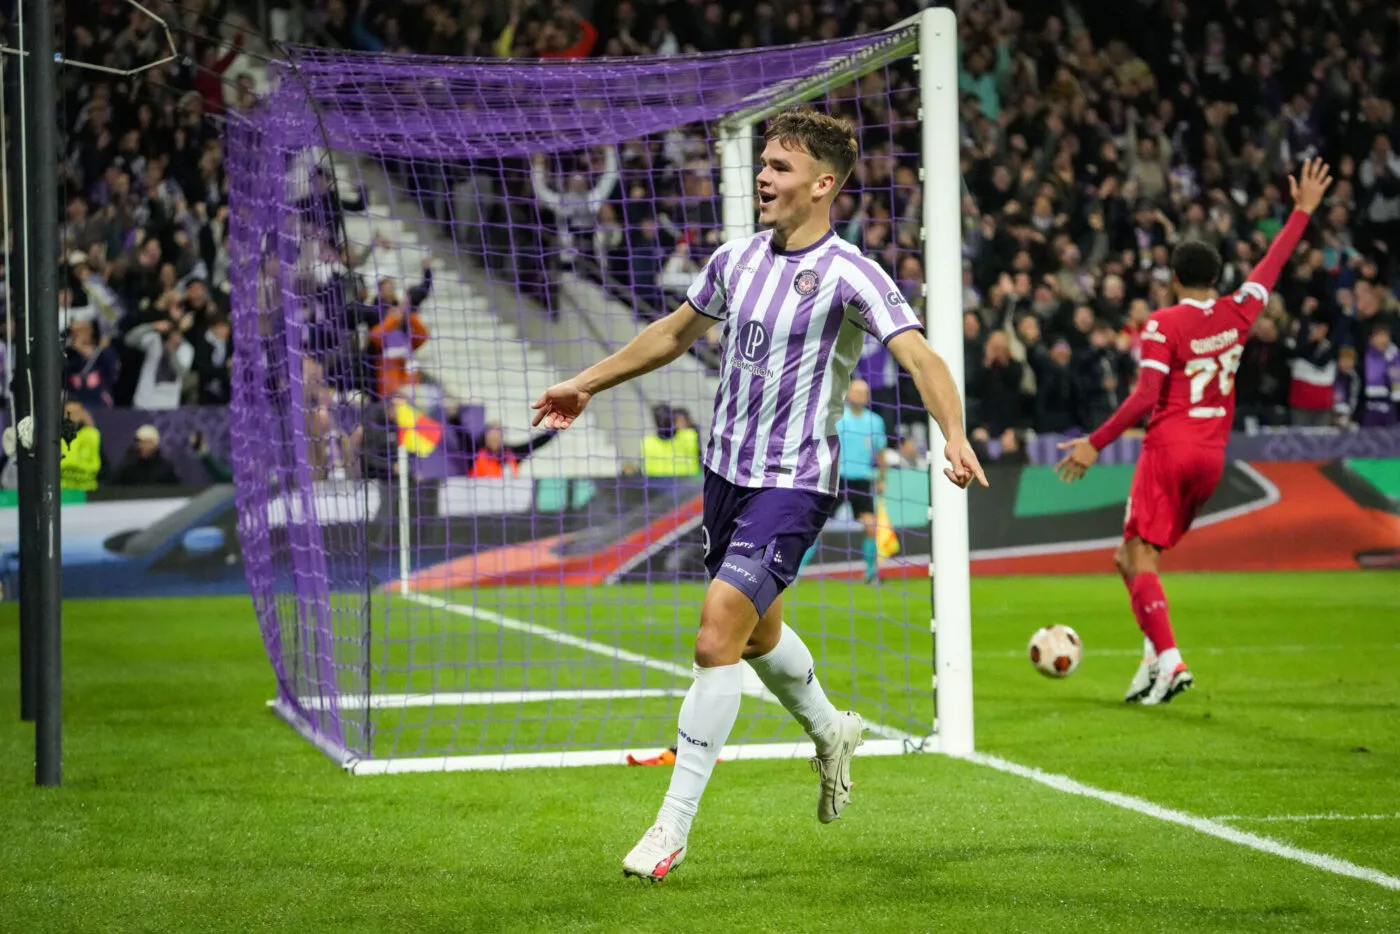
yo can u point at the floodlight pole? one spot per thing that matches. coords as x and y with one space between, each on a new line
41 114
30 554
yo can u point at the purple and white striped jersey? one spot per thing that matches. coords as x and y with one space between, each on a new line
794 325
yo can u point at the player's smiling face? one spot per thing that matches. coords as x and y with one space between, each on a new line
790 184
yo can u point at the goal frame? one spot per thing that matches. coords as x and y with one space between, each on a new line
930 37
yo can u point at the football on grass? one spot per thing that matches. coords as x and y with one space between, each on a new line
1055 651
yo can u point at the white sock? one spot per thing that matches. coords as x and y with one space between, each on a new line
1168 660
1149 651
707 715
788 672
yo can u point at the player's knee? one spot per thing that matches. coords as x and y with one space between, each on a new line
713 648
766 634
723 634
1123 561
1134 558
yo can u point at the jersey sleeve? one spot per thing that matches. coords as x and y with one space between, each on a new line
707 293
1159 341
874 297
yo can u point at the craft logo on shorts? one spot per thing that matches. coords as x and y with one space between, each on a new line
806 282
753 340
894 297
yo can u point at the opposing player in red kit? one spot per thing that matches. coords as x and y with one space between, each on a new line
1190 353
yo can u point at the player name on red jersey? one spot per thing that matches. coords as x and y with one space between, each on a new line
1216 342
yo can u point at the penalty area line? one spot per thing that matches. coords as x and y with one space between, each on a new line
1205 825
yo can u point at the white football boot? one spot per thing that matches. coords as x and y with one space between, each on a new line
835 768
659 851
1168 684
1142 681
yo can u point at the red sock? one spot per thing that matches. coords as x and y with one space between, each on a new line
1150 608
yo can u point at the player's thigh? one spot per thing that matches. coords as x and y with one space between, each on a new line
1199 478
772 533
1153 502
722 504
727 620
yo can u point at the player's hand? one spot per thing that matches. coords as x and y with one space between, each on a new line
965 466
1077 462
560 405
879 487
1312 183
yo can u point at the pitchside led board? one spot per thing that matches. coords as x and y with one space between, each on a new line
1296 515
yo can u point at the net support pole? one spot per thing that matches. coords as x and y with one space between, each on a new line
736 179
405 526
16 204
952 598
41 111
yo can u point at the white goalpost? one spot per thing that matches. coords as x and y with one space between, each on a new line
559 635
933 36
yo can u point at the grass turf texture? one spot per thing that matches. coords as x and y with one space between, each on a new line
188 806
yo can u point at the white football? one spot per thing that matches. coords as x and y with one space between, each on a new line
1055 651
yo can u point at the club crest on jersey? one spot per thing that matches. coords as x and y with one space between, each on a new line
806 282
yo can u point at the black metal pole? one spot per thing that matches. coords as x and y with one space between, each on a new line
41 112
16 273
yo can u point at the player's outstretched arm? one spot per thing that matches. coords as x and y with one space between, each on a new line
658 344
1307 191
1084 451
940 397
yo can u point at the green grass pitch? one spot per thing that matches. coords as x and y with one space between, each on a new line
187 806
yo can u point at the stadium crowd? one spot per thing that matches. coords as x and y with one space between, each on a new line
1092 142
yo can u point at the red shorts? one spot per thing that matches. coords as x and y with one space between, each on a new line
1170 487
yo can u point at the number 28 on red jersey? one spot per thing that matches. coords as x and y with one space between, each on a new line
1198 346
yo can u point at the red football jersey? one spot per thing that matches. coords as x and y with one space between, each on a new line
1195 349
1198 346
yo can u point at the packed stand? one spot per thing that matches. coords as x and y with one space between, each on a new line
1089 152
1092 143
144 265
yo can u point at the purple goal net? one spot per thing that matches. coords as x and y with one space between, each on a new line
421 246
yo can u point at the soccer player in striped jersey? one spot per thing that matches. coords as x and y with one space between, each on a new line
796 302
1190 353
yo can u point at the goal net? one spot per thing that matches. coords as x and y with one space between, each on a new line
421 246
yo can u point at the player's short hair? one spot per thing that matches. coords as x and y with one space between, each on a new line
1196 264
823 137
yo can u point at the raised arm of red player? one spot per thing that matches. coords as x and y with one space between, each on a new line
1266 273
1307 189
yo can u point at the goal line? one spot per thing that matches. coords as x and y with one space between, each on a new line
890 741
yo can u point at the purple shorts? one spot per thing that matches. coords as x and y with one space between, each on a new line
755 537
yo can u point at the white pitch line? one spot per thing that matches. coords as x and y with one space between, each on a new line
1217 650
751 689
1275 818
1203 825
473 698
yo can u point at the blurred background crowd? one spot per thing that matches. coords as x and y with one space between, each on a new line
1095 136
